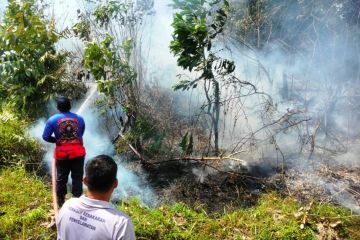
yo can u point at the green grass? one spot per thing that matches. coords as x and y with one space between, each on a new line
25 202
273 217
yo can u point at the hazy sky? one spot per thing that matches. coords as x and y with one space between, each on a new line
3 4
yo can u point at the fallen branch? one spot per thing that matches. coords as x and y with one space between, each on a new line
136 152
353 191
142 159
220 158
203 161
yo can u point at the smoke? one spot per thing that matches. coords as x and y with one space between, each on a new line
339 191
351 157
97 142
316 82
160 63
320 83
331 190
131 185
202 173
313 85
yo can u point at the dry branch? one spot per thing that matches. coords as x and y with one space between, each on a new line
212 158
204 160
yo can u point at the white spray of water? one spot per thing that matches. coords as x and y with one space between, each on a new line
87 100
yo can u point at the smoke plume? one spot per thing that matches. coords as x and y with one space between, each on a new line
97 142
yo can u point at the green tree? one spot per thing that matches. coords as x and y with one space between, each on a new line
196 27
113 74
110 55
30 66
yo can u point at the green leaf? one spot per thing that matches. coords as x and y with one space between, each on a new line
28 72
186 144
182 85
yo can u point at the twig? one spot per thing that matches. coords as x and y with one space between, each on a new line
353 191
236 153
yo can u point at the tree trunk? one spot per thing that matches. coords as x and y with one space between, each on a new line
216 116
258 23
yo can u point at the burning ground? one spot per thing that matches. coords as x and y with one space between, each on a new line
216 187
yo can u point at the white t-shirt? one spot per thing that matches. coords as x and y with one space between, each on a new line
86 218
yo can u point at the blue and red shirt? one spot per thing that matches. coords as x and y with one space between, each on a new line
68 129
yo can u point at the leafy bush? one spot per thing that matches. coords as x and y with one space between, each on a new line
16 147
31 69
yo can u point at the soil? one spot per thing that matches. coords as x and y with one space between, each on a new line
197 185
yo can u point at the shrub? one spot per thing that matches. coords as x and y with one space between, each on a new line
16 147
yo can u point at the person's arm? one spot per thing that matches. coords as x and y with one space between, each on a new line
126 232
81 126
47 134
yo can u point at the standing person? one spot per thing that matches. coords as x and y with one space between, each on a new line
68 129
92 216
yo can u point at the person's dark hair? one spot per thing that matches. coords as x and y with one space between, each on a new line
63 104
100 173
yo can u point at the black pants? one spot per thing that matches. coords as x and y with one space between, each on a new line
63 168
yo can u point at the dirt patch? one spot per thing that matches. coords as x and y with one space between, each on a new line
197 184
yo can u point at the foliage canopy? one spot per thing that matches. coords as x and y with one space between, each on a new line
196 26
30 66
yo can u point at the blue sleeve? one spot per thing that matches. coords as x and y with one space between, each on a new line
81 126
48 131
